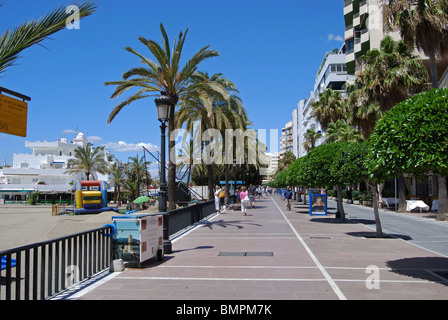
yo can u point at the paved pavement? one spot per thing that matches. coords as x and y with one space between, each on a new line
421 229
275 254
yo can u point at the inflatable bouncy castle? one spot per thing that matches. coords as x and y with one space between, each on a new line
91 201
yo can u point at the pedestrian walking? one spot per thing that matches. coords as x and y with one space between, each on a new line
288 198
244 200
217 199
251 191
225 199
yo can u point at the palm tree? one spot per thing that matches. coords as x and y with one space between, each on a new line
118 177
311 137
167 76
13 42
390 75
329 108
213 111
88 160
422 24
360 112
341 131
137 171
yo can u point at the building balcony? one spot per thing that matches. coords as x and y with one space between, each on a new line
356 19
365 35
349 32
363 7
348 6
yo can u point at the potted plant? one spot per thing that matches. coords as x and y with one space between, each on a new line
356 196
367 199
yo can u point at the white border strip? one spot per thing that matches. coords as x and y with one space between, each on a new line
330 280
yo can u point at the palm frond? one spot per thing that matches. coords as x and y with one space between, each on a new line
13 42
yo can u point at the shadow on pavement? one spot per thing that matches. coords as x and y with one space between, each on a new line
425 268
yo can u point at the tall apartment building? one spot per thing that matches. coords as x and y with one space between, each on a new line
286 139
331 74
363 29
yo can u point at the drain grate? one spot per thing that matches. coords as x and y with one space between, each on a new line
246 254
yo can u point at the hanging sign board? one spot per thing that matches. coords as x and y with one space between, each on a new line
13 116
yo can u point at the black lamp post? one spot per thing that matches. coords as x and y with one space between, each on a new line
164 108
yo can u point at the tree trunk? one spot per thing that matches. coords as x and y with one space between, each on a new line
433 67
171 168
210 182
442 195
226 174
340 203
118 197
379 229
401 194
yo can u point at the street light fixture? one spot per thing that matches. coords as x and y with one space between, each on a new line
164 106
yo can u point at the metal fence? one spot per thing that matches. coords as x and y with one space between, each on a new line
40 270
184 217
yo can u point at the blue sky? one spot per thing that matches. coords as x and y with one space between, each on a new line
270 49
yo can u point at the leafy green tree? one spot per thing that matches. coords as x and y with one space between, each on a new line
88 160
168 76
13 42
413 138
349 167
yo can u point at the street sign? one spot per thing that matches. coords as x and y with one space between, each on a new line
13 116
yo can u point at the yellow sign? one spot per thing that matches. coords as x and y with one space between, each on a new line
13 116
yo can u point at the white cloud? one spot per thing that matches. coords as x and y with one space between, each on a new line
332 37
94 139
69 131
122 146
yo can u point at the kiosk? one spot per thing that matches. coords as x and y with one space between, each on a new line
138 237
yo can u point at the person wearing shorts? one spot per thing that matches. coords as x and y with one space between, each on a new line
244 201
251 191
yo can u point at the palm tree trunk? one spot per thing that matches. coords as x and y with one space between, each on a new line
210 181
171 168
433 67
118 201
442 195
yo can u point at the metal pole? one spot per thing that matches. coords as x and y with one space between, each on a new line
167 245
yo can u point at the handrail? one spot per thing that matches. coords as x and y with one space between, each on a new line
45 268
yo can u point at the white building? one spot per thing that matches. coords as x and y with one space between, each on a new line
43 170
286 139
272 159
331 74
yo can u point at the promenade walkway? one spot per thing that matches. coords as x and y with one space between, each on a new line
275 254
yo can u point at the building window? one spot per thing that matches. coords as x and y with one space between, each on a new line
350 45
